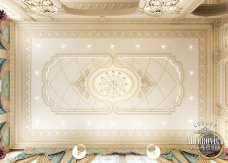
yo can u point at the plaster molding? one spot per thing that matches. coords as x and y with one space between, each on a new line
101 5
89 91
27 33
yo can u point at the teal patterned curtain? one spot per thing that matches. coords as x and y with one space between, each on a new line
56 157
5 81
2 60
22 156
1 124
192 158
170 156
2 47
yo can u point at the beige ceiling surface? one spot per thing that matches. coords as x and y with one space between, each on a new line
118 85
93 9
67 85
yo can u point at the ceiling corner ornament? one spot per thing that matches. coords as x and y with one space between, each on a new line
159 7
44 6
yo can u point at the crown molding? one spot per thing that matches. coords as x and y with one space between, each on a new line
106 20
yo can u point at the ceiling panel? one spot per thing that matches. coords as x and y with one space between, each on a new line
59 68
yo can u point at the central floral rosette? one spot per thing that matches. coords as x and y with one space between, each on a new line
112 83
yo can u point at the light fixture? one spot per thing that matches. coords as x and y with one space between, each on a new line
163 47
37 98
153 151
164 123
36 72
112 46
63 122
38 45
44 6
191 98
158 7
190 47
89 46
63 46
79 151
112 83
191 73
137 46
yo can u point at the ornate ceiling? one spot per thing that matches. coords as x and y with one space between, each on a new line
120 83
58 10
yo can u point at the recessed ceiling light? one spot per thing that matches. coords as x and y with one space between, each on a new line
37 97
191 72
139 123
63 46
163 47
89 46
164 123
112 46
191 98
190 47
137 46
63 122
38 45
37 121
36 72
88 122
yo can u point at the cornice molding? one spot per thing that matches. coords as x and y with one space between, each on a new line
105 20
101 5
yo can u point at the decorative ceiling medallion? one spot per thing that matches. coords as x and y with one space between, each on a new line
112 83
